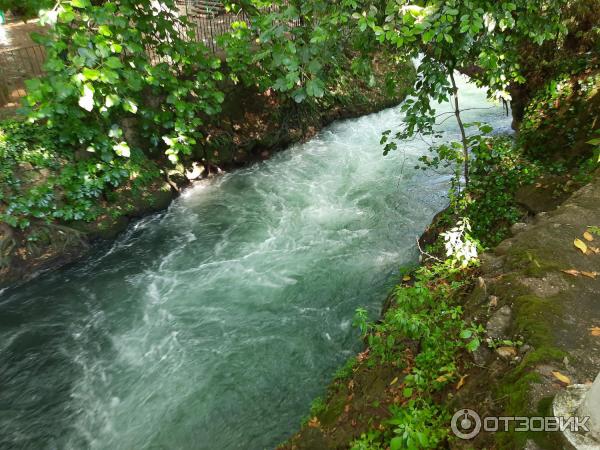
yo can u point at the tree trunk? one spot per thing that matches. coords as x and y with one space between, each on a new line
461 126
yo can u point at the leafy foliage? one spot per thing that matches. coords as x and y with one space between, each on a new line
425 312
112 61
459 34
498 170
561 115
295 47
42 181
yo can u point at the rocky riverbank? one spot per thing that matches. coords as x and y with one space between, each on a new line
531 303
537 294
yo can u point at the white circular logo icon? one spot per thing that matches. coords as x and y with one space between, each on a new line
466 424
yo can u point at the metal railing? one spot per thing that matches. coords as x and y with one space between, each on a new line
16 66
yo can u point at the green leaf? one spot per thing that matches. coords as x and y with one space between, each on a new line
33 84
315 88
113 62
466 334
105 30
66 16
130 106
80 3
396 444
90 74
86 101
428 36
112 100
473 345
299 95
116 48
314 66
122 149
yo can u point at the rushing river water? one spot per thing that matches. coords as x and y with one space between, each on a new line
214 324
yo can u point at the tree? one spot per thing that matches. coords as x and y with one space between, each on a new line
132 59
444 36
458 35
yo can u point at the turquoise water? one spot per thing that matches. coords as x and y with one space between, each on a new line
215 323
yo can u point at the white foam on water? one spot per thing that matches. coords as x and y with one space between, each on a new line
215 323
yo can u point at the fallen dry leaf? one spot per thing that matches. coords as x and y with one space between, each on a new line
363 355
562 378
595 331
588 236
580 245
592 275
573 272
314 423
461 382
441 379
394 381
406 278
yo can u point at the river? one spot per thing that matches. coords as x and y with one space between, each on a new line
214 324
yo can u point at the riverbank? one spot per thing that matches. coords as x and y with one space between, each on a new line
252 127
534 298
513 329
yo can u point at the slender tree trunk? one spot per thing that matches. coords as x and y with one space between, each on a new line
462 128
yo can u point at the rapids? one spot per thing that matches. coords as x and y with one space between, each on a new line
213 325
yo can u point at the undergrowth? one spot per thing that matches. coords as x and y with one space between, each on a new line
427 307
43 180
427 312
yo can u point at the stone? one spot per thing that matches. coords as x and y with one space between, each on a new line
498 324
518 228
491 263
178 180
524 349
549 286
481 355
506 352
531 445
580 400
537 198
590 407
